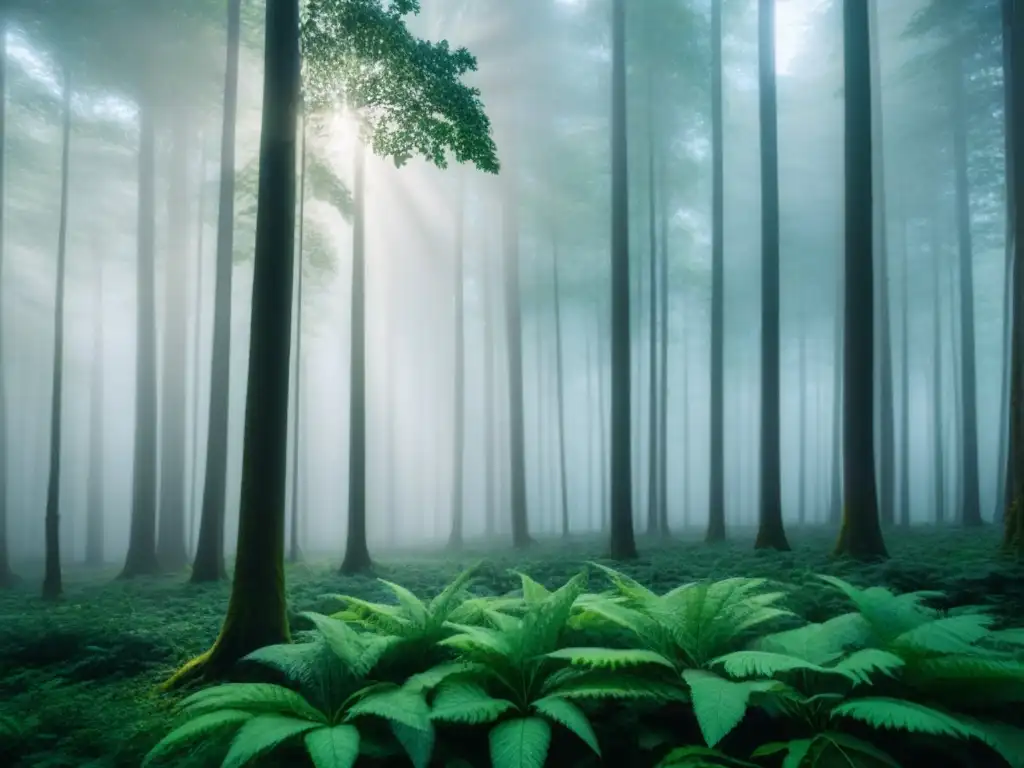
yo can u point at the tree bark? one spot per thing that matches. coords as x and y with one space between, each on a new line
209 561
195 491
835 510
904 513
294 551
52 581
860 535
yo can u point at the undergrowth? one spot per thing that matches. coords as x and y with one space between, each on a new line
465 677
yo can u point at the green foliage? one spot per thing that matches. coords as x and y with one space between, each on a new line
407 92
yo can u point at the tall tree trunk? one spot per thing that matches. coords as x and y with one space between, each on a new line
294 551
623 542
955 357
1004 487
256 614
357 554
663 366
802 426
653 513
560 383
141 558
687 441
94 523
490 400
887 417
593 517
860 535
602 416
971 499
938 413
171 551
52 582
459 394
209 561
716 498
770 532
835 509
7 577
514 342
195 491
904 516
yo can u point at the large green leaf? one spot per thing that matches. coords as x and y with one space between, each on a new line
610 658
569 715
885 712
257 698
465 702
720 704
398 704
336 747
261 735
520 743
194 730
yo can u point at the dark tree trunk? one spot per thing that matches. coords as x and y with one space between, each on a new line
593 517
171 551
770 532
141 558
514 341
860 535
937 408
623 542
560 383
256 614
294 551
835 510
357 554
94 522
1004 489
209 561
955 353
195 490
716 499
602 416
904 516
887 417
7 577
459 393
52 582
971 498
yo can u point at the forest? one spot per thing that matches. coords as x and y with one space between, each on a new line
512 383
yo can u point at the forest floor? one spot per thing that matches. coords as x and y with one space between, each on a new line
81 676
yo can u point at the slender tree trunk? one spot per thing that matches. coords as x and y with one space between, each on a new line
94 524
716 498
687 442
172 553
1004 486
938 411
209 560
294 551
835 512
956 365
770 533
357 554
802 426
560 383
490 401
663 366
256 614
52 582
887 417
623 543
904 516
860 535
141 558
459 394
602 415
593 517
7 577
195 492
971 500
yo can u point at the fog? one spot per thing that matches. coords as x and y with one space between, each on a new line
545 84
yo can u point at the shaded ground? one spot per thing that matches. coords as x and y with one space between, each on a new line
79 678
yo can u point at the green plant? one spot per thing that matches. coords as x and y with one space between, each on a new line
337 710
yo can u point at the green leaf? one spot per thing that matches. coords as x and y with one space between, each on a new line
763 664
431 678
520 743
257 698
195 729
694 756
336 747
344 641
533 591
464 702
261 735
610 658
413 606
568 714
845 744
417 743
859 665
397 704
884 712
719 704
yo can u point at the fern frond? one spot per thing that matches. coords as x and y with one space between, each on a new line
400 705
337 747
889 615
193 730
533 591
520 743
576 683
347 644
467 703
764 664
431 678
263 734
896 714
570 716
609 658
626 586
720 704
379 617
414 608
480 643
545 620
453 595
949 634
254 698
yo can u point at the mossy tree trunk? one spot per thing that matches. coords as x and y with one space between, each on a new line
357 554
770 531
141 558
716 499
52 581
256 614
623 540
860 534
209 560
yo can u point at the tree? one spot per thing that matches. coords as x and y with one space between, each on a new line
459 390
716 500
415 102
770 532
209 560
623 541
294 552
94 525
860 534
